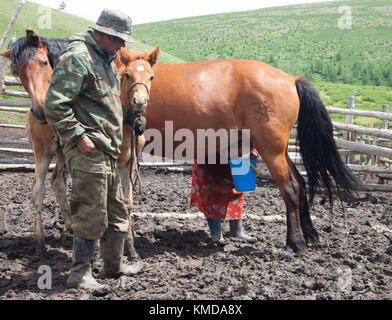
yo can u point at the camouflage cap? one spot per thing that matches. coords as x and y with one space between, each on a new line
115 23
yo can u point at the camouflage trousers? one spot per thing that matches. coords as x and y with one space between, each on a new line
97 200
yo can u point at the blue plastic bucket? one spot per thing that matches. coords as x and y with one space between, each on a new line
244 174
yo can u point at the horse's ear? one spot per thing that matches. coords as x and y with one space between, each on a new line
120 66
124 56
6 54
153 58
33 38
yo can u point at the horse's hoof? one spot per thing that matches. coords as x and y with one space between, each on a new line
297 248
132 255
311 236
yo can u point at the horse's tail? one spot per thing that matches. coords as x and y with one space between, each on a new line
317 145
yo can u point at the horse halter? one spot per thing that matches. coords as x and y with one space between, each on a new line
134 85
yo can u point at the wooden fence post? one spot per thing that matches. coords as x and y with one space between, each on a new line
354 136
3 70
7 31
349 120
4 63
385 123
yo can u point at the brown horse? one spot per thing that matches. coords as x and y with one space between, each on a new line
33 60
235 94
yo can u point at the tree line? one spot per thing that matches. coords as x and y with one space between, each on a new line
356 73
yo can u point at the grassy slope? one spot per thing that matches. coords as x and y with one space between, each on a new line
63 25
293 35
291 38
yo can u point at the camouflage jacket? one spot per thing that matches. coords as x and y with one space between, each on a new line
84 97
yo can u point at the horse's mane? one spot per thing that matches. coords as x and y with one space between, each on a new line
136 55
23 51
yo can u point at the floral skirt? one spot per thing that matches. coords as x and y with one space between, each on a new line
213 192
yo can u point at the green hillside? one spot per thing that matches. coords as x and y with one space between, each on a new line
300 39
366 98
63 25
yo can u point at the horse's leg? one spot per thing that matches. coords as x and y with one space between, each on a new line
42 161
42 140
310 233
129 248
290 191
41 170
59 185
124 164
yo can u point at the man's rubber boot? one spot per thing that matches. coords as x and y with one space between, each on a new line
216 231
112 250
237 230
82 258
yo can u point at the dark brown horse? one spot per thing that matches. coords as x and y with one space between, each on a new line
235 94
33 60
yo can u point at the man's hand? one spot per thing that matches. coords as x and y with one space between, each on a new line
86 146
137 122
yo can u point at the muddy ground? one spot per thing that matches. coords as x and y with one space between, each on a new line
352 261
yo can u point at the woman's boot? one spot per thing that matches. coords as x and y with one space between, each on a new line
237 230
216 231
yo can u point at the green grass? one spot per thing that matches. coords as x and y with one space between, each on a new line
63 25
366 98
13 88
299 39
12 118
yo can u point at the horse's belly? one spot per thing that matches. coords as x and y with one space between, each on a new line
199 144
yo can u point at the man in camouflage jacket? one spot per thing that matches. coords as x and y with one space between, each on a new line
83 105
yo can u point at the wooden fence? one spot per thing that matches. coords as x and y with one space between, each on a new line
367 151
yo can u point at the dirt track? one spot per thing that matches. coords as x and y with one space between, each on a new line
353 260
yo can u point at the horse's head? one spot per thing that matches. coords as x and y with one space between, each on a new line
33 62
137 75
30 61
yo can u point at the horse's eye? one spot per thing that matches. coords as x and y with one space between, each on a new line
152 78
45 63
128 76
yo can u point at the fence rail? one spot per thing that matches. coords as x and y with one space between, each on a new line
12 126
20 142
5 103
361 113
12 81
16 93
